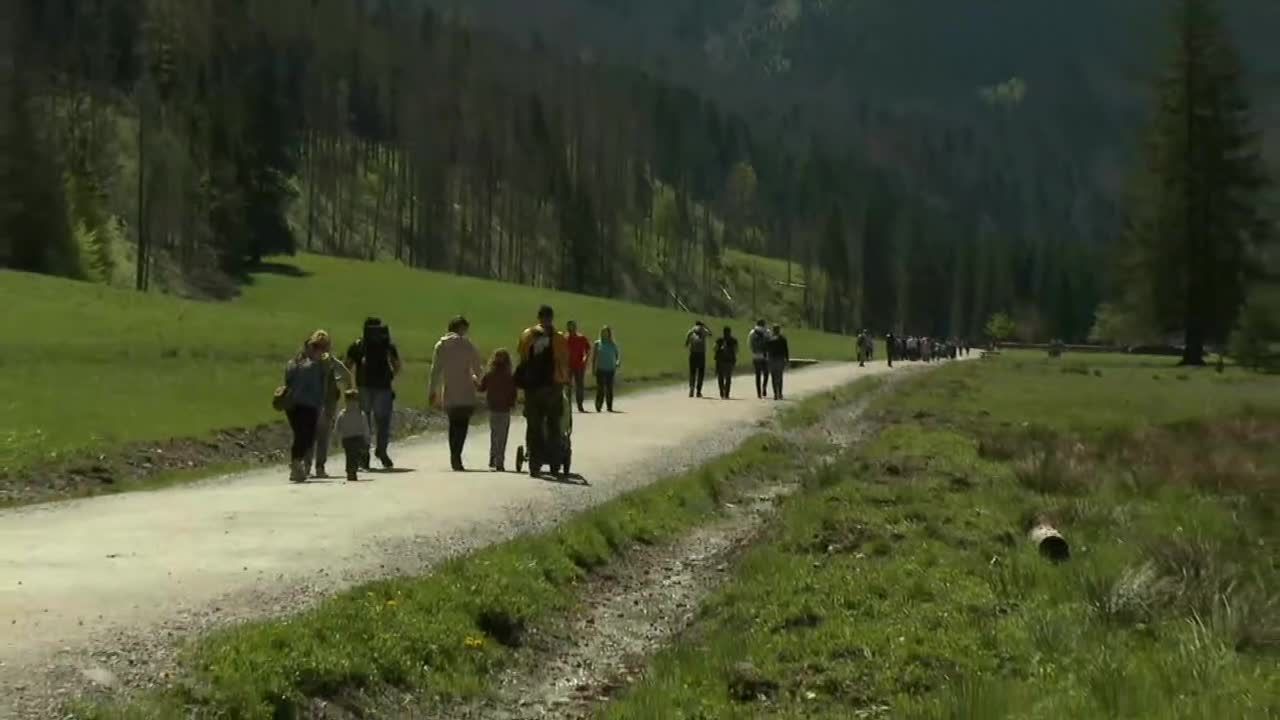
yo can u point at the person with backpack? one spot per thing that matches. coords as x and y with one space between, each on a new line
696 342
543 373
779 353
376 362
606 360
579 352
456 369
758 340
726 362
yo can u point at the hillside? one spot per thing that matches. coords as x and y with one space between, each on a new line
100 367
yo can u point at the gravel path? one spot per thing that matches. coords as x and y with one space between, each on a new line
97 591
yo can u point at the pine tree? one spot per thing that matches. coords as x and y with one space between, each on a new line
1196 224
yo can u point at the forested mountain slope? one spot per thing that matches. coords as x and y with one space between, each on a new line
919 165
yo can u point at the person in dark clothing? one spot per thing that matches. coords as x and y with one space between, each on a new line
779 354
542 374
890 347
304 384
376 362
696 342
757 340
726 362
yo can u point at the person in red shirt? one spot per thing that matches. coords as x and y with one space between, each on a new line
579 354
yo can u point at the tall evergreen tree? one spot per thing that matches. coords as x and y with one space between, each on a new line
1196 225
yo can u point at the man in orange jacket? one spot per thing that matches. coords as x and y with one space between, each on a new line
543 374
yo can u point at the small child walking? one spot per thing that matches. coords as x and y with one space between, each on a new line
499 387
353 428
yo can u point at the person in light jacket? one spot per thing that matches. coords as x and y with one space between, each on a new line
606 360
455 371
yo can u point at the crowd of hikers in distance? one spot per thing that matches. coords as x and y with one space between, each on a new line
355 396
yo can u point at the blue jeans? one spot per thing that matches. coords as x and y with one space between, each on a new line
377 404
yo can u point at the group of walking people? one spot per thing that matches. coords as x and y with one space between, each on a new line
355 397
770 358
922 348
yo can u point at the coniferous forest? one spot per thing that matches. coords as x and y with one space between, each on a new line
171 145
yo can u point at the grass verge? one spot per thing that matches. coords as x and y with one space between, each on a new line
442 635
901 583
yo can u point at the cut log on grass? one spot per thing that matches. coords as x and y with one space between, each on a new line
1050 542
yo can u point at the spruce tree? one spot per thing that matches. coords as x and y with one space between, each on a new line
1196 225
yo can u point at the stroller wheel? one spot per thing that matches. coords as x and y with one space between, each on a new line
520 458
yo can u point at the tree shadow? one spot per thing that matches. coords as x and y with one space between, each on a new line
251 273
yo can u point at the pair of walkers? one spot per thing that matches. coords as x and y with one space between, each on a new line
770 356
603 359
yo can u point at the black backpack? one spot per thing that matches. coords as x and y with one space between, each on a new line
375 348
537 370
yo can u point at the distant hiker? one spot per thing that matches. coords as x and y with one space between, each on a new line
499 387
337 380
606 360
353 428
864 348
779 354
890 347
696 342
726 362
304 383
758 340
376 362
579 352
542 374
455 374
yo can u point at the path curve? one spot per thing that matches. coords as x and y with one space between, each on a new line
74 573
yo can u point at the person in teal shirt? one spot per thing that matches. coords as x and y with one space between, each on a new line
605 363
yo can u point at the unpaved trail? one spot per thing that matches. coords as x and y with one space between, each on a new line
90 575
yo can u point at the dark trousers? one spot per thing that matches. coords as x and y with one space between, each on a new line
604 389
580 386
762 377
542 409
303 421
459 424
724 377
355 449
697 372
777 369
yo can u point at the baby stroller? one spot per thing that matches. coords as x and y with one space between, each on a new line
563 463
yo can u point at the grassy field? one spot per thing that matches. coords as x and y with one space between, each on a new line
93 367
901 583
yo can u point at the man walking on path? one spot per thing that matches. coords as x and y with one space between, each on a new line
376 362
890 347
758 340
696 342
726 362
579 351
779 358
456 370
542 374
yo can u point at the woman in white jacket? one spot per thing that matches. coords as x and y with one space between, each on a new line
456 368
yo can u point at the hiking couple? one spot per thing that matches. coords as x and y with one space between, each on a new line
314 384
602 358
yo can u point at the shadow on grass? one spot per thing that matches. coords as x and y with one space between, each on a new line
250 275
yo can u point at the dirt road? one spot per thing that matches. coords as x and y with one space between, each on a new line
81 575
